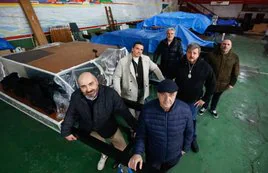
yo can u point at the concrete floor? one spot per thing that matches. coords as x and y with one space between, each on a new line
237 142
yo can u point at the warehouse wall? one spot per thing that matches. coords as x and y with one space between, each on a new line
13 24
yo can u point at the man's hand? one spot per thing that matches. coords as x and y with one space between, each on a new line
230 87
71 137
134 160
182 152
199 103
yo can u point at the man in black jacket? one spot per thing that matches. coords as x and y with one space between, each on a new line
170 51
192 75
94 107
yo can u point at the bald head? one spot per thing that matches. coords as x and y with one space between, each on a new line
88 84
226 46
85 76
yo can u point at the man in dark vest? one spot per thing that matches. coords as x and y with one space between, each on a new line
170 51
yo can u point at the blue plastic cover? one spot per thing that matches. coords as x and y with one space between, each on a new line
231 22
150 38
5 45
198 22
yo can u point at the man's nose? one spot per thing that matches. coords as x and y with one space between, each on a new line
166 98
88 89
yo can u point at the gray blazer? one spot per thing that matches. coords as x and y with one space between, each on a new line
124 79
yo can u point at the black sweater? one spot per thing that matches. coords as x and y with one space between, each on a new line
191 89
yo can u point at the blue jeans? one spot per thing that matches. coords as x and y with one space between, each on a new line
193 109
194 115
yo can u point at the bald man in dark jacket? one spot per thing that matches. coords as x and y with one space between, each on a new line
94 108
225 64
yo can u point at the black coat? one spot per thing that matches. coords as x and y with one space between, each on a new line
107 104
191 90
170 56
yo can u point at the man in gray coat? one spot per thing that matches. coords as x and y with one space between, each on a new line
131 76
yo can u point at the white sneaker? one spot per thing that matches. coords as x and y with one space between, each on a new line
215 114
202 111
102 161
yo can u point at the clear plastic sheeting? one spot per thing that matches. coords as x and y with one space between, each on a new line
66 81
2 72
198 22
108 61
62 104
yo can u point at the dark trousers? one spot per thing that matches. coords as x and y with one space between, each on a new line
162 167
214 101
169 69
195 135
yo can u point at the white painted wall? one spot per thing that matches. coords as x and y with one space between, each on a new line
230 11
14 23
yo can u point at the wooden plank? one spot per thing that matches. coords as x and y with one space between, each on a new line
33 21
67 55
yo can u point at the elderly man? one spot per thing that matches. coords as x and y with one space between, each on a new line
165 130
94 107
131 76
170 51
192 75
225 65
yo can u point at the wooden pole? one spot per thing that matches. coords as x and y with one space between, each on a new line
33 21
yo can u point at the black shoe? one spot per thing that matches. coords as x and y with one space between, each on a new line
115 164
194 146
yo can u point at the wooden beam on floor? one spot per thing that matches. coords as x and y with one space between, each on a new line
33 21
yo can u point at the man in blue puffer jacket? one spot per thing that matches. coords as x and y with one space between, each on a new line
165 130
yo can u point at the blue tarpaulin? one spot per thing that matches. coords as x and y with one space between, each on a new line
231 22
197 22
5 45
150 38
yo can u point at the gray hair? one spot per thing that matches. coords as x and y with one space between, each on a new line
171 29
193 46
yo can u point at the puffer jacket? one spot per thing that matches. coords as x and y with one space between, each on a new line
170 56
225 67
165 134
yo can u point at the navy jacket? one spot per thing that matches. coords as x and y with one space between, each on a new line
162 135
106 106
